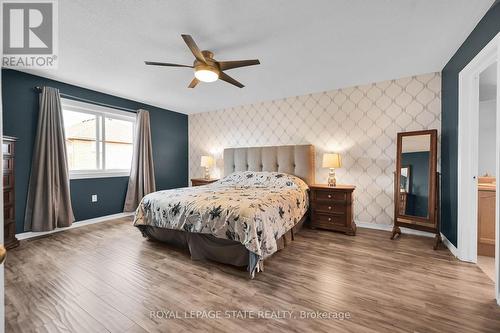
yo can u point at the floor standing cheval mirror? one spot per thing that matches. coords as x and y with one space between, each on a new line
416 184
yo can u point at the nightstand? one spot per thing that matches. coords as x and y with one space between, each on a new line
331 208
202 181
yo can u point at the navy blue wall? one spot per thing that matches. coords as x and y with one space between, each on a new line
20 115
487 28
418 199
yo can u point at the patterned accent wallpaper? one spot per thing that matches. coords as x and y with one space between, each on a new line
359 122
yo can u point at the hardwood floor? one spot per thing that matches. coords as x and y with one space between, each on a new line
106 277
487 265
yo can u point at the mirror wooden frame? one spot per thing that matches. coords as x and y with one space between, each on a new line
431 222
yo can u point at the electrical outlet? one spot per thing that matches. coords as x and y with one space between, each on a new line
94 197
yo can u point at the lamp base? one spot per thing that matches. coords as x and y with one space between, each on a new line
207 174
332 181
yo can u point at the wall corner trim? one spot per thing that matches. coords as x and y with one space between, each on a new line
449 245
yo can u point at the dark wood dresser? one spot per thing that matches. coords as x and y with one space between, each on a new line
331 208
9 207
202 181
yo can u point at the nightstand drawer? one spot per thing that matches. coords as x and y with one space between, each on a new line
329 195
328 207
331 208
328 220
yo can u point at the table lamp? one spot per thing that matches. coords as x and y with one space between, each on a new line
332 161
207 162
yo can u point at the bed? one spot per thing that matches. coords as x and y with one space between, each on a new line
243 218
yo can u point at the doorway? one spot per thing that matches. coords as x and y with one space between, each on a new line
487 171
479 159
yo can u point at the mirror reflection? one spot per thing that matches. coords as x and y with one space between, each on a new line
414 175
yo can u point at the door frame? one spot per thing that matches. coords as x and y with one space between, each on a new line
468 140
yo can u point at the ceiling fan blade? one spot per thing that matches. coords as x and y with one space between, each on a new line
154 63
194 48
224 77
237 63
193 83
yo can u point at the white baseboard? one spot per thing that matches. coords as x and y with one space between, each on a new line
449 245
376 226
388 227
31 234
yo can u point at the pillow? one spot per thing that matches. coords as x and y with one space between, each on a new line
264 179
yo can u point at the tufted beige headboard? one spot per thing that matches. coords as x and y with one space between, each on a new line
296 160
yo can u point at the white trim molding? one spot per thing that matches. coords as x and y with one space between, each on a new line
468 143
100 114
31 234
77 106
91 174
388 227
449 245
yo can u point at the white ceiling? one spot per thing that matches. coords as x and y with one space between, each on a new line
304 46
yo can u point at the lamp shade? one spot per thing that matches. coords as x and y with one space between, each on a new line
332 160
206 161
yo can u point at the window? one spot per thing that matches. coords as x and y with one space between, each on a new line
99 140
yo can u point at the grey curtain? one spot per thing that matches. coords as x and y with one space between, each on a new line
49 203
142 175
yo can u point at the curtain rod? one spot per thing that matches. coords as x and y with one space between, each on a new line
39 89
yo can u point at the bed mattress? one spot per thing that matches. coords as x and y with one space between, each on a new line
254 209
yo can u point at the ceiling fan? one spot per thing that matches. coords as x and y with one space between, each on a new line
206 68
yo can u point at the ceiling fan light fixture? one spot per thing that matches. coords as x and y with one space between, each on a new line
206 74
206 68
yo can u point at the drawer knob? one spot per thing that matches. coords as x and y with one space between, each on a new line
329 196
330 207
329 219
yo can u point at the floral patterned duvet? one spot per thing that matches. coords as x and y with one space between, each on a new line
252 208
